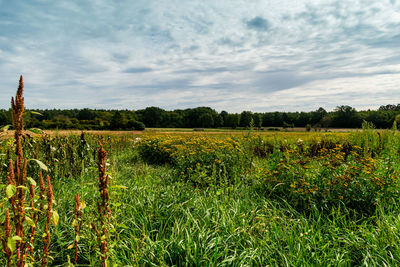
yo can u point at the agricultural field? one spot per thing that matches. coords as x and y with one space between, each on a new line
176 199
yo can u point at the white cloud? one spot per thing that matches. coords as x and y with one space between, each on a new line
232 55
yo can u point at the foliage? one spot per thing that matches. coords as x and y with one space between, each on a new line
260 217
292 199
200 159
201 117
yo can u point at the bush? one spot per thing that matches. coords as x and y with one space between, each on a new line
202 160
330 175
138 126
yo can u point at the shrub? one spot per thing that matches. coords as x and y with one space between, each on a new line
138 126
200 159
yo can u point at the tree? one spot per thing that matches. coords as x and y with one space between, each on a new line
346 117
192 116
206 120
223 116
86 114
257 118
245 118
326 121
118 121
316 116
174 119
232 120
397 119
152 116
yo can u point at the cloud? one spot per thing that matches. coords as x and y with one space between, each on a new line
255 55
137 70
258 23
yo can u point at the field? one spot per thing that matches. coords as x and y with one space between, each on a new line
176 199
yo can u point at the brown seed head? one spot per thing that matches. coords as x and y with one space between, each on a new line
7 225
11 176
50 196
18 107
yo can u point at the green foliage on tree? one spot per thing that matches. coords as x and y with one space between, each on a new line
245 118
201 117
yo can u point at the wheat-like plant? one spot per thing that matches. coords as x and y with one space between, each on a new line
19 241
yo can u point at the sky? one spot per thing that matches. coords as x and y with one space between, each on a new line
233 55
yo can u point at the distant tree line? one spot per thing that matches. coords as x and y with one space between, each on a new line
202 117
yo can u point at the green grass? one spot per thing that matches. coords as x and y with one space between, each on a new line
162 220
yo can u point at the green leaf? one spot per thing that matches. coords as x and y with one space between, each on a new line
29 221
11 190
123 226
23 187
11 243
69 264
31 181
36 130
36 113
5 128
41 164
55 217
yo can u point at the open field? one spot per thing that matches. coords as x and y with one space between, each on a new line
195 199
10 133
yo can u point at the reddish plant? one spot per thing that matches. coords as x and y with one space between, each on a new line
49 213
103 207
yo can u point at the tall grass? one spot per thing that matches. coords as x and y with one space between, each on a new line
280 200
20 242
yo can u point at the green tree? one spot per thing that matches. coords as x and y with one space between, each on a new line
117 121
223 116
257 118
206 120
232 120
86 114
152 116
245 118
346 117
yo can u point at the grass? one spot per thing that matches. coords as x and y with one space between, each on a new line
164 223
160 218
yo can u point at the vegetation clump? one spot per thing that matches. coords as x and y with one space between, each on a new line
277 198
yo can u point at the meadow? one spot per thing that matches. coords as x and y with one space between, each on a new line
198 199
176 199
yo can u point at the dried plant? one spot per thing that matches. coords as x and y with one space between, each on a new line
7 235
104 212
20 243
79 206
49 214
17 177
18 108
12 183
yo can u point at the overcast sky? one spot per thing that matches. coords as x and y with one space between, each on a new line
230 55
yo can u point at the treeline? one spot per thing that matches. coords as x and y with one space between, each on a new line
202 117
